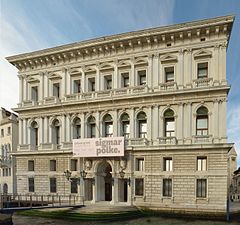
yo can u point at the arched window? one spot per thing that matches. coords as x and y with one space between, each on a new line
56 132
142 125
91 126
202 121
125 125
34 134
108 126
76 128
169 123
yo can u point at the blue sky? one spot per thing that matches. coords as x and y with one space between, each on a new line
29 25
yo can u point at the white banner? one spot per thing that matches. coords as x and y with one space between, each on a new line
98 147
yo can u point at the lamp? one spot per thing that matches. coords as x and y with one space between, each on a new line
122 174
67 174
83 174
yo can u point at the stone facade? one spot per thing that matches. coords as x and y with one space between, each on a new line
164 89
8 144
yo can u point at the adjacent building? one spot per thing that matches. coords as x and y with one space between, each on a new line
163 89
8 144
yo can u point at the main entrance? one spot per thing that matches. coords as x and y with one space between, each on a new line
103 182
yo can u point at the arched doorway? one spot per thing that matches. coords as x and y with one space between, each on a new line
5 188
104 182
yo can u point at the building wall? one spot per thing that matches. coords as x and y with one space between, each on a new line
182 47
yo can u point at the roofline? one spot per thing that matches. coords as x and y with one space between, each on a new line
125 36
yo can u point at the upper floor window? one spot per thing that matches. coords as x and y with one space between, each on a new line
76 86
202 121
9 130
125 79
201 163
76 128
31 165
34 93
56 132
2 132
142 125
91 84
53 165
56 90
125 125
108 82
108 126
167 164
73 164
34 134
202 70
91 126
140 164
142 77
169 123
169 74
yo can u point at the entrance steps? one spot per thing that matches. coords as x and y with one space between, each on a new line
105 206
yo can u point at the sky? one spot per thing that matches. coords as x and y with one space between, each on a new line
29 25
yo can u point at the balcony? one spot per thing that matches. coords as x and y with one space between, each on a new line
51 100
49 147
27 147
136 142
203 139
204 82
167 86
167 140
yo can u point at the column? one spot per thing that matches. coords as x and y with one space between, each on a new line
150 71
68 134
115 123
132 74
24 131
180 70
94 189
25 84
190 71
64 74
223 118
20 88
68 83
155 72
83 82
98 79
160 123
132 123
28 131
155 123
188 117
115 76
180 124
114 189
223 61
20 128
46 130
98 125
215 66
63 130
46 85
83 127
215 121
149 123
41 131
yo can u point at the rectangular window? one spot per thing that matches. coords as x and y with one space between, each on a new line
139 164
9 130
2 132
142 77
31 187
126 129
169 127
56 90
202 125
74 186
169 74
53 165
201 188
76 86
201 163
142 128
30 165
202 71
74 164
167 187
167 164
139 186
92 130
108 129
53 185
91 84
34 93
9 172
107 82
125 79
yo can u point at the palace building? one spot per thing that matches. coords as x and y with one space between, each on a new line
162 90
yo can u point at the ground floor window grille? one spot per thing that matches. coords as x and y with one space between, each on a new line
139 186
201 188
31 184
167 187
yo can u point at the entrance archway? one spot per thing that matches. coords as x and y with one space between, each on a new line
104 182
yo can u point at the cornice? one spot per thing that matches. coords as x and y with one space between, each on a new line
79 50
